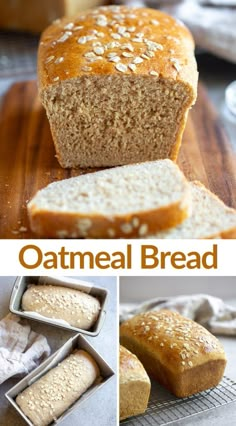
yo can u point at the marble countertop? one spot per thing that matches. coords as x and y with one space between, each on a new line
92 411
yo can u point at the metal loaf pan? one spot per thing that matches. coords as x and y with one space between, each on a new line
20 287
76 342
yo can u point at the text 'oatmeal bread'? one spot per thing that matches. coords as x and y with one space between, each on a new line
135 385
210 218
179 353
117 84
79 309
123 202
50 396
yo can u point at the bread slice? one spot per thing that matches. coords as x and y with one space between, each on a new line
117 84
127 201
210 218
134 384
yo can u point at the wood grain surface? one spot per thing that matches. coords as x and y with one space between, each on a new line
28 163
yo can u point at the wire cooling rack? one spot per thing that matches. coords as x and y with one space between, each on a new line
18 52
164 408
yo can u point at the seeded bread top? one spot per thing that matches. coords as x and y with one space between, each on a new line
117 40
179 342
79 309
51 395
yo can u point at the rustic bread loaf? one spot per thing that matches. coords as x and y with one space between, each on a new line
127 201
35 16
117 84
79 309
179 353
50 396
210 218
134 385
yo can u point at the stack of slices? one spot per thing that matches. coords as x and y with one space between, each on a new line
146 200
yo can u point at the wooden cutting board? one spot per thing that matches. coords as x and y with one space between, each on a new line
28 163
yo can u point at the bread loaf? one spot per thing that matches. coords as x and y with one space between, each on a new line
128 201
35 16
79 309
179 353
210 218
134 385
117 84
50 396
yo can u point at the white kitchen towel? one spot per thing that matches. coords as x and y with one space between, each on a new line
212 22
211 312
213 26
21 349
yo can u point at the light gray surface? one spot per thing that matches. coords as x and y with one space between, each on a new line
92 411
143 288
138 289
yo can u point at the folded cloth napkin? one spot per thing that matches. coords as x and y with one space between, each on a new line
213 25
212 22
21 349
209 311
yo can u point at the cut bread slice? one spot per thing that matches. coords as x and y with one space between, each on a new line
210 218
128 201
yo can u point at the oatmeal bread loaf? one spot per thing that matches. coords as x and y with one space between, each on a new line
210 218
117 84
50 396
135 385
179 353
79 309
123 202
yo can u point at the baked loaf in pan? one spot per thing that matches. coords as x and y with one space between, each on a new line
123 202
50 396
117 84
179 353
134 385
79 309
210 218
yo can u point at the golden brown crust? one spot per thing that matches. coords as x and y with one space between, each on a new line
66 46
210 218
130 367
49 224
224 235
175 350
116 59
134 384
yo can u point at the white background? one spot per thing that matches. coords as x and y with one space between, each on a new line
9 256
